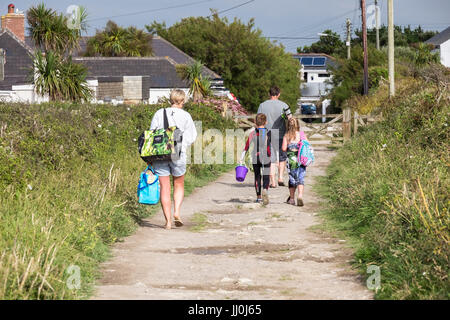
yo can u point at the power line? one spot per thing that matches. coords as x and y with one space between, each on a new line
321 24
152 10
232 8
302 38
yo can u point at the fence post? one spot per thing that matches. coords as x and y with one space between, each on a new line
346 124
355 123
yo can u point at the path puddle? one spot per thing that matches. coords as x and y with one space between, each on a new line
249 249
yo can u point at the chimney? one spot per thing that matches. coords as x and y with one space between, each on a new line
14 22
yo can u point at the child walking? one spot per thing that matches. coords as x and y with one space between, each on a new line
291 145
261 152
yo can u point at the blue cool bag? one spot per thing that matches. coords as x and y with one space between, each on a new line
148 191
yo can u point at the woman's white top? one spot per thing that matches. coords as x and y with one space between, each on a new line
180 118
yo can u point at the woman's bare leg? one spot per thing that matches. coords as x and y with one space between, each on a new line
178 194
165 199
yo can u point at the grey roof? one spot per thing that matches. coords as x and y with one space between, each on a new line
18 61
440 38
160 71
161 48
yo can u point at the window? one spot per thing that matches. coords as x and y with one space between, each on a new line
324 75
305 76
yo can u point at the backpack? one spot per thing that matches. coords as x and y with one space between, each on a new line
306 153
160 144
148 187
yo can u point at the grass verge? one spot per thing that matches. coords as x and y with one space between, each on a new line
68 176
387 192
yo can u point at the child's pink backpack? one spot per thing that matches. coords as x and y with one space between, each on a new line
305 151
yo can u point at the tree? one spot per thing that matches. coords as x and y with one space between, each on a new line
49 30
249 63
53 71
61 80
403 36
115 41
329 44
200 86
348 74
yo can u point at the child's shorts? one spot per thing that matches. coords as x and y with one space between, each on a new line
297 176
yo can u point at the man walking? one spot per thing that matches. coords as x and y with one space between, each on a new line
276 112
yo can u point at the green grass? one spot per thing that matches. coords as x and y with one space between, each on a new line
68 176
387 192
200 222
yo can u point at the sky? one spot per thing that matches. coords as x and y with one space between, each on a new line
276 18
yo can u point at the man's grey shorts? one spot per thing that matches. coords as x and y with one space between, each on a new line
277 153
167 168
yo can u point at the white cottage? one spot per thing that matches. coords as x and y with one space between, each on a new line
441 42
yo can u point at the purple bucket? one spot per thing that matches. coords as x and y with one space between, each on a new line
241 172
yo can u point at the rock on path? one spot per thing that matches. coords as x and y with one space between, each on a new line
231 248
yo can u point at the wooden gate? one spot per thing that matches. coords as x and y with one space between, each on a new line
336 129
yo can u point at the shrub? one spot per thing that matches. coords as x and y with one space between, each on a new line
388 191
68 175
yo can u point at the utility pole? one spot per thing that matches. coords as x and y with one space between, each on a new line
391 44
348 43
366 57
377 26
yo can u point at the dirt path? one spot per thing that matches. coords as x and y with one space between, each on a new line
232 248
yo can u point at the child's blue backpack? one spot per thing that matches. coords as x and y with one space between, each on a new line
306 153
148 187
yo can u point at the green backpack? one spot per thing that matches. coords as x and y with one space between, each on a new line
161 144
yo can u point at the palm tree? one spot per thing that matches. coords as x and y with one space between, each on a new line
53 71
115 41
61 80
200 86
50 31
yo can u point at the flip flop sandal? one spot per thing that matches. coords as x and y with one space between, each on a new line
178 222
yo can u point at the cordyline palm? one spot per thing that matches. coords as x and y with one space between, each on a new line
115 41
61 80
200 86
50 31
53 71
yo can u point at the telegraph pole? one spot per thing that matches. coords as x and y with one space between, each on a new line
366 57
391 44
349 48
377 26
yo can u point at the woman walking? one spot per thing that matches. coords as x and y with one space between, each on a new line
176 168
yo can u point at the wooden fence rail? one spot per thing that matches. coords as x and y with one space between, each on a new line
334 132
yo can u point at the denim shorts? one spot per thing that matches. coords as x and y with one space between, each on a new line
175 168
297 176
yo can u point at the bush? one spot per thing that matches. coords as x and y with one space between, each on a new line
68 175
388 191
249 63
